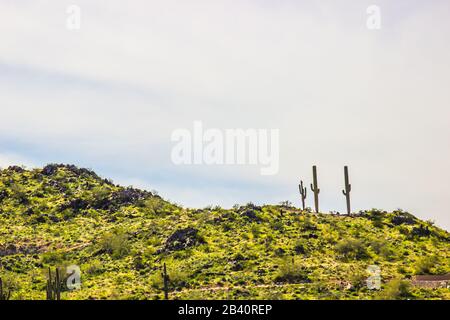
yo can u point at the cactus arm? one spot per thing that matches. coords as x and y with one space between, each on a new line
344 193
58 285
53 288
302 191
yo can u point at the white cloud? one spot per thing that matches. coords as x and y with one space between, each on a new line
9 159
110 94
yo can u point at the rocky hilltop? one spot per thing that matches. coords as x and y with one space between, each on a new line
120 238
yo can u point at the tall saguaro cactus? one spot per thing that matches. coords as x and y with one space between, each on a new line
315 189
53 285
166 282
302 191
348 188
6 294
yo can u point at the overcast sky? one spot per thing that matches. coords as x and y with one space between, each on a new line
108 96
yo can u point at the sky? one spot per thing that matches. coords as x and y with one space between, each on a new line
109 95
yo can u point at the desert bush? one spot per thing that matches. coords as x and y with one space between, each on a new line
394 290
308 225
177 278
115 243
94 267
286 204
256 230
18 193
351 249
278 225
377 222
358 279
291 270
53 258
382 248
425 265
154 205
100 192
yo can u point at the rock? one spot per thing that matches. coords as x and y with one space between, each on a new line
49 169
421 231
403 218
237 263
299 249
52 168
237 266
54 219
75 204
16 169
3 195
251 215
8 250
129 195
310 236
183 239
138 263
248 206
12 249
120 198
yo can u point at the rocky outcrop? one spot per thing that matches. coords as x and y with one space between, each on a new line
183 239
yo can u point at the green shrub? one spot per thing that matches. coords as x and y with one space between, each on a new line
100 192
351 249
425 265
308 225
358 279
256 230
18 193
177 278
53 258
394 290
115 243
94 267
291 271
154 205
382 248
278 225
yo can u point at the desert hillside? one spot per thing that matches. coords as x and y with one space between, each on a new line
120 238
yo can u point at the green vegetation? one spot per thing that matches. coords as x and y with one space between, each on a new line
395 289
121 237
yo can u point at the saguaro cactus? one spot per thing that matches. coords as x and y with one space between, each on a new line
302 191
6 294
348 188
53 285
315 189
166 282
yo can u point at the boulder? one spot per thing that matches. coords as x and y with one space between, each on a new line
183 239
